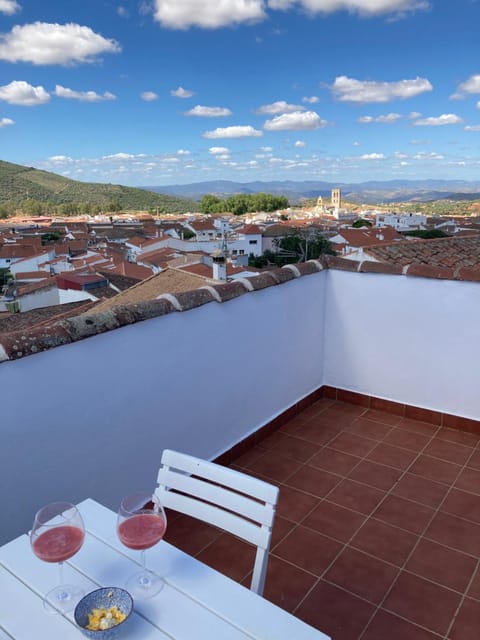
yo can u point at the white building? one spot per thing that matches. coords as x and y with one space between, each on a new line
401 221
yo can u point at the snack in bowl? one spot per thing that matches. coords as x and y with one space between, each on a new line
103 612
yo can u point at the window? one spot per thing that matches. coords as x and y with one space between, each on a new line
241 252
252 242
234 252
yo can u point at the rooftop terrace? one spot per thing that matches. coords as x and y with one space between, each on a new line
378 526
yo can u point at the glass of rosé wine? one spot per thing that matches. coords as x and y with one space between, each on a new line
57 534
141 523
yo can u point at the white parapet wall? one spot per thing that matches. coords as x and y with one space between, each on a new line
92 418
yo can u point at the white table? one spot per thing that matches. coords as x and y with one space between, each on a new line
196 602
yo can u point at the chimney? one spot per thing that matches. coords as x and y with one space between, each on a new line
219 264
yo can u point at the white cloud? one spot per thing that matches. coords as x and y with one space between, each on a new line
389 118
119 156
181 93
372 156
437 121
279 107
478 104
472 127
44 43
24 94
60 159
311 99
207 14
363 7
300 144
413 115
238 131
472 85
149 96
9 7
122 12
266 149
5 122
208 112
219 150
351 90
296 121
183 152
83 96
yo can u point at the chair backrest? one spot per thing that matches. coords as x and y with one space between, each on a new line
226 498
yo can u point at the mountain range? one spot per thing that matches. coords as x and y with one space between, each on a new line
372 192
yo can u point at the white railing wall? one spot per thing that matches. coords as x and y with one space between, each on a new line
91 419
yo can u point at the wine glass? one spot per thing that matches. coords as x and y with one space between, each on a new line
141 523
57 534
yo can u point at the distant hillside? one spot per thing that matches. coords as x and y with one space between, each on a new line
372 192
19 183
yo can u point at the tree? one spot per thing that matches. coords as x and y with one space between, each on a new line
304 245
427 234
361 222
211 204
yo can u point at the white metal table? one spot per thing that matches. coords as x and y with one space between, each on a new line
196 603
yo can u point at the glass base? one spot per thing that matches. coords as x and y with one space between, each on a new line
62 599
144 585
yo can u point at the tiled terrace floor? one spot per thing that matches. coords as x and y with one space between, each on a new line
377 532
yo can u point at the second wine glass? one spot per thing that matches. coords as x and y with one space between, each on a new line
141 523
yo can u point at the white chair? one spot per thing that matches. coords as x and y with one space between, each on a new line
226 498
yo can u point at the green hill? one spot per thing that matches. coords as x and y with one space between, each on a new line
26 187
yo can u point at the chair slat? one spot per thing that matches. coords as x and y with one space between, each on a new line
248 507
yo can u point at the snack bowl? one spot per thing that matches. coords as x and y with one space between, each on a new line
103 599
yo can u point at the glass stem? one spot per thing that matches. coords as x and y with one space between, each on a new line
145 577
60 574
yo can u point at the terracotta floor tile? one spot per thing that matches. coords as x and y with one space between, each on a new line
294 505
442 565
316 408
355 496
293 425
308 550
274 467
295 448
455 533
474 461
459 437
386 626
469 480
334 461
418 427
463 504
421 490
314 481
407 439
230 556
369 428
340 615
250 456
402 513
346 408
474 590
384 541
334 521
286 585
190 535
281 526
449 451
467 623
318 434
435 469
389 419
352 444
375 475
392 456
362 575
422 602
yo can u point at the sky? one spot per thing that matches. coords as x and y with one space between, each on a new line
163 92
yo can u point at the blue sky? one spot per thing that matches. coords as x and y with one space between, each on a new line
157 92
